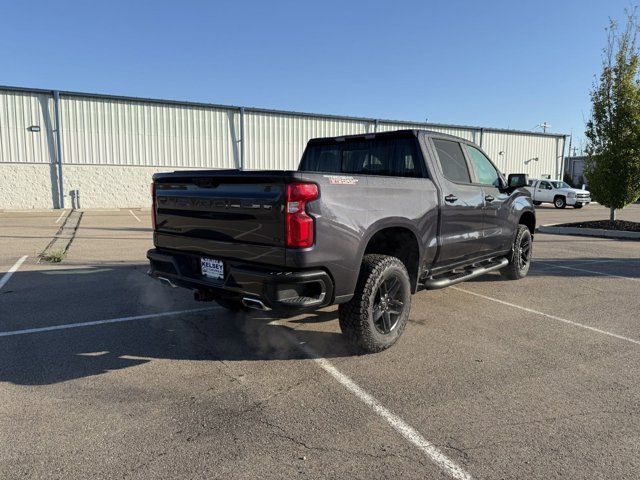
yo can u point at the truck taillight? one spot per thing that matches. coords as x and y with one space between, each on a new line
153 205
299 225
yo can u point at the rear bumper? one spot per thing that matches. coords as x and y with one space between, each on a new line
279 289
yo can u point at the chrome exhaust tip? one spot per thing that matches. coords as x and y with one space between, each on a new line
167 282
254 303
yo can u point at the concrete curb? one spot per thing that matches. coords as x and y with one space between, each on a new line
589 232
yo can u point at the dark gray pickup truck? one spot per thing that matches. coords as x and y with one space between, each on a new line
364 222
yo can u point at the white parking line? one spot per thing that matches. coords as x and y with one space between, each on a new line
26 331
410 434
61 215
399 425
134 215
552 317
5 278
589 271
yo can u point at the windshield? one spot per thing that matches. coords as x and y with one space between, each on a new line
560 185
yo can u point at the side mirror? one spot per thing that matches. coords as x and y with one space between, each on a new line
518 180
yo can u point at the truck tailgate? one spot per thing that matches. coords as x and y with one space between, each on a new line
222 214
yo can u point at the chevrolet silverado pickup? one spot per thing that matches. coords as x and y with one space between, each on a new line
557 192
364 222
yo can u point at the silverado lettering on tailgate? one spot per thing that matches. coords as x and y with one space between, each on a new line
212 203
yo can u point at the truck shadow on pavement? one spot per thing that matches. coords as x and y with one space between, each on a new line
58 356
45 298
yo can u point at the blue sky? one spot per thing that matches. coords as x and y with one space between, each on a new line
491 63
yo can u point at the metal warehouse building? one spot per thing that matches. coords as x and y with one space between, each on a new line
56 144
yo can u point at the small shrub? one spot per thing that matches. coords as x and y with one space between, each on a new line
55 256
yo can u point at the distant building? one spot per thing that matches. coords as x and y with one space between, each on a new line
574 167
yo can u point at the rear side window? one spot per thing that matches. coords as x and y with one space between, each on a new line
454 166
396 157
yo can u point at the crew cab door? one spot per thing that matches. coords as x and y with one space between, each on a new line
461 205
544 191
497 230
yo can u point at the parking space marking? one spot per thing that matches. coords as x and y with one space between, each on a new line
134 215
552 317
61 215
26 331
5 278
588 271
410 434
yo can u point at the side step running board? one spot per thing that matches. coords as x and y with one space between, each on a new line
446 280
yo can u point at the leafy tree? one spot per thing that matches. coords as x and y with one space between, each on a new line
613 132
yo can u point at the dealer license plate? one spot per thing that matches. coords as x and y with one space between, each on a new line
212 268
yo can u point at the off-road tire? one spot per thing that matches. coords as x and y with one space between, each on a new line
559 202
515 270
537 203
231 304
356 316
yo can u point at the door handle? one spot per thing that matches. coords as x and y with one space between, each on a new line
450 198
489 198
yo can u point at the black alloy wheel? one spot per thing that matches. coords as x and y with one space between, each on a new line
524 257
389 304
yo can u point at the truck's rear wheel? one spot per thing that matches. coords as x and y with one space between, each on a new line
520 260
377 314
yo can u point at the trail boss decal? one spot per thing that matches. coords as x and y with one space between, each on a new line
341 180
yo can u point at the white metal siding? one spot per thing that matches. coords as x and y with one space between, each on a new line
466 133
107 131
111 132
276 142
19 111
520 152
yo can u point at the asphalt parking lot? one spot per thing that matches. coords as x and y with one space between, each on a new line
538 378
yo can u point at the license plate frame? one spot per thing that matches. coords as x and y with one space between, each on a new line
212 268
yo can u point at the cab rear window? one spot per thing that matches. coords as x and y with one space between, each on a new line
454 166
397 157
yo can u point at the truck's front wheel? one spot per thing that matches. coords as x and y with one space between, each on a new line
520 260
559 202
377 314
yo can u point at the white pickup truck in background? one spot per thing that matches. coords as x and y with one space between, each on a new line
557 192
